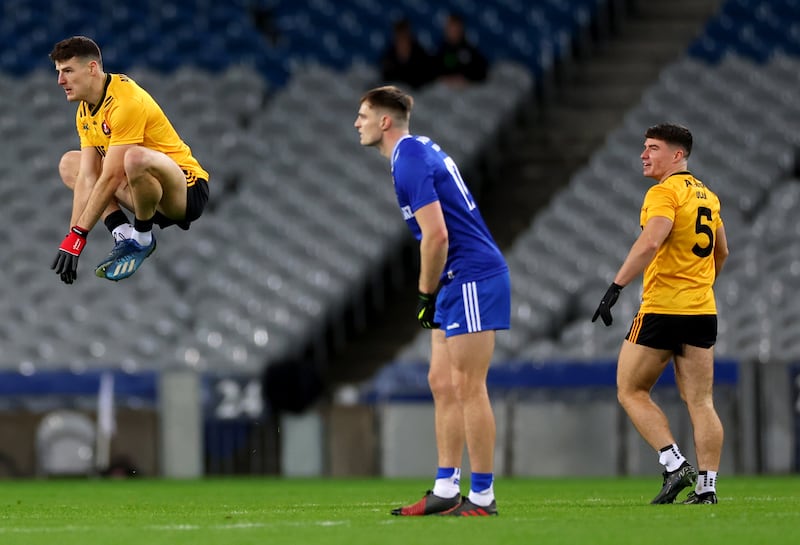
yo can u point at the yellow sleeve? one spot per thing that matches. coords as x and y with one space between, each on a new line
660 201
127 119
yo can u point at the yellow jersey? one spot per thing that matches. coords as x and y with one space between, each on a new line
680 278
127 114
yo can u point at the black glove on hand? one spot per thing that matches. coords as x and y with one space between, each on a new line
608 300
66 262
426 308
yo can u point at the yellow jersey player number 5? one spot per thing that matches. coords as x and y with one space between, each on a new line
680 251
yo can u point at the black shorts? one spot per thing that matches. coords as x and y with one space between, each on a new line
672 331
196 199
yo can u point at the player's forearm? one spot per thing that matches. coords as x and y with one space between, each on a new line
80 196
641 254
433 256
644 249
719 261
720 251
102 191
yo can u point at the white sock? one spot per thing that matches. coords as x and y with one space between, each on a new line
482 498
122 232
144 239
670 457
448 487
706 482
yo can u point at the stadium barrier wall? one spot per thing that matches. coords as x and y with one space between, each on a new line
181 424
554 419
563 418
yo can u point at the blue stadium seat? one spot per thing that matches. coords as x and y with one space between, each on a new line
304 285
753 29
332 33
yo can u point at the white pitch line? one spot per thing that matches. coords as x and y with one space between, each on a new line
245 525
178 527
45 530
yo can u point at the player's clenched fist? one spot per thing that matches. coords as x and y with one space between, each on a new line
426 309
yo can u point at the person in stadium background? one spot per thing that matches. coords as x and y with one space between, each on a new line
130 155
405 61
458 61
464 296
681 251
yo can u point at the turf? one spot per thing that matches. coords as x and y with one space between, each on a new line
351 512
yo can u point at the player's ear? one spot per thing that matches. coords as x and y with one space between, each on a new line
386 122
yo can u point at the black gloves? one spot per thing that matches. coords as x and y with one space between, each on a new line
426 308
608 300
66 262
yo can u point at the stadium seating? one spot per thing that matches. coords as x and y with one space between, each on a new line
751 29
294 233
225 83
734 89
211 36
281 283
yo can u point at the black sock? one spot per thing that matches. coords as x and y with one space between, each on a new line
143 226
115 219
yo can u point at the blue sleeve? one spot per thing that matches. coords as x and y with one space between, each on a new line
414 177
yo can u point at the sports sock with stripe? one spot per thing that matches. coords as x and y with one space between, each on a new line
670 457
482 489
706 482
118 225
122 232
143 231
447 482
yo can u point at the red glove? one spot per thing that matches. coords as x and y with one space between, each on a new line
66 262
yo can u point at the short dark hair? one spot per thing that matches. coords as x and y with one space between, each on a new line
77 46
390 98
402 25
677 135
455 17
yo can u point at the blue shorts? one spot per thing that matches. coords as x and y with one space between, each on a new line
470 307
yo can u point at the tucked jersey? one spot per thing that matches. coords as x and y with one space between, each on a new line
680 279
423 174
127 114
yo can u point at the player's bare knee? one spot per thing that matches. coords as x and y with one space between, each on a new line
136 163
627 396
68 167
441 385
698 404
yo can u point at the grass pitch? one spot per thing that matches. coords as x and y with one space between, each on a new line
351 512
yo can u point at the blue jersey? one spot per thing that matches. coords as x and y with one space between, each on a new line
423 174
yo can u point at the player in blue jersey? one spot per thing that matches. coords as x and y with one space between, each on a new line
464 296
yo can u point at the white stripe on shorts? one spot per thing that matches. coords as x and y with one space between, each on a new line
469 293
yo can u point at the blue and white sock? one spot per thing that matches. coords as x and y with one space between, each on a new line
447 482
482 489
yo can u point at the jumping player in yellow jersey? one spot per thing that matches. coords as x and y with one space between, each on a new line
681 250
130 156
